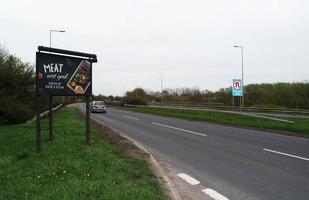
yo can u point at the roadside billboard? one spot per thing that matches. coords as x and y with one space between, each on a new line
59 75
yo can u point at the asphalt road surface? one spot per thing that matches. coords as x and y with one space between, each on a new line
241 164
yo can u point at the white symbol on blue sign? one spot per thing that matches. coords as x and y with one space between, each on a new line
237 90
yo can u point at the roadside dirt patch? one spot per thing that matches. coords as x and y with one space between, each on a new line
128 149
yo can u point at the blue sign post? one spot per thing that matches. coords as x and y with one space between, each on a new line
237 89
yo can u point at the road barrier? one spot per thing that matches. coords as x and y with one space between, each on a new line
218 111
221 106
43 114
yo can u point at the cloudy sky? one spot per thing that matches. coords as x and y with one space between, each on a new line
189 41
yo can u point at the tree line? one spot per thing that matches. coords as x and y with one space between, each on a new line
285 95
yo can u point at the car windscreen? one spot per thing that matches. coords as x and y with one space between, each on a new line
99 103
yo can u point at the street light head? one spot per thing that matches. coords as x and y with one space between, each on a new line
61 31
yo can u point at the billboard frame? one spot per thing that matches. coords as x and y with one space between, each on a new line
92 58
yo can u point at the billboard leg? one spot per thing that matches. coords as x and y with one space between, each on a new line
50 117
87 120
240 104
243 100
233 103
38 125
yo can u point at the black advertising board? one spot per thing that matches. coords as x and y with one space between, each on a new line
59 75
61 72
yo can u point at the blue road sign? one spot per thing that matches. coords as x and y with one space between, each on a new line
237 90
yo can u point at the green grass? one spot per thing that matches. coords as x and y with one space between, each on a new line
300 127
68 169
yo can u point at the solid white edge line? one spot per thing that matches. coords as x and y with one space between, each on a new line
126 116
286 154
213 194
189 179
179 129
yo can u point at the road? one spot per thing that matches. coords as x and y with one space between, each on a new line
240 164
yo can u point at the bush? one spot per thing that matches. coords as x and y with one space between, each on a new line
16 89
137 97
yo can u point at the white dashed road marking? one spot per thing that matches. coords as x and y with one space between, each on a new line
213 194
126 116
189 179
179 129
286 154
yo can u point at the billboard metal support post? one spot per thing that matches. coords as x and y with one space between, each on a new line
87 120
240 103
38 125
50 117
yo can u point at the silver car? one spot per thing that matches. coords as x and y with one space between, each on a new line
98 106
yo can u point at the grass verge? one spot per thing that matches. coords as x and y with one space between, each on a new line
300 127
67 169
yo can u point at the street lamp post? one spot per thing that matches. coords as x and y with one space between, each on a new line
50 98
242 76
161 74
50 43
